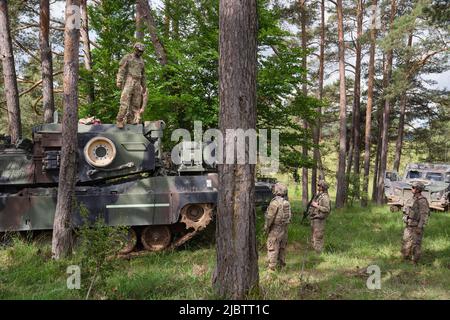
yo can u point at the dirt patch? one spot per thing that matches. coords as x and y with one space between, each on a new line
307 290
199 270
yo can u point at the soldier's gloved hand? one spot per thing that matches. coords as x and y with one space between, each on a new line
405 218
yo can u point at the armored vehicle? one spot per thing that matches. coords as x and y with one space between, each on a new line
123 177
435 177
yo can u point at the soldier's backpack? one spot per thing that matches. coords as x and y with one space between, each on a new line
285 212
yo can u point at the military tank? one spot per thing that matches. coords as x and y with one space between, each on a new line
122 177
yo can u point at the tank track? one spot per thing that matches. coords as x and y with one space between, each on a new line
189 224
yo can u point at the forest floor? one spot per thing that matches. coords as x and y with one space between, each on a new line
355 239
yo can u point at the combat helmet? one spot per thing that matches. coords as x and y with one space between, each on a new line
323 184
418 186
139 46
279 189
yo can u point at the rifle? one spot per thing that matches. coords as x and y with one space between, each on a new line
305 213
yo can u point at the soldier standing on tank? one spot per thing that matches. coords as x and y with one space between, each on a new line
317 213
278 217
415 218
131 79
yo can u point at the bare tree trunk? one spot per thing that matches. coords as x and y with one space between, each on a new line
401 122
46 62
62 231
341 181
303 17
87 50
139 14
378 154
401 127
167 7
316 132
357 97
148 18
368 127
386 113
9 75
237 257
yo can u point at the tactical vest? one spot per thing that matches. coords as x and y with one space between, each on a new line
414 213
317 199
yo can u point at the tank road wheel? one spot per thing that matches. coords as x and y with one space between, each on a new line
129 242
156 238
197 215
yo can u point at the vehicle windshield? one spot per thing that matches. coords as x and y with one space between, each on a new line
434 176
414 174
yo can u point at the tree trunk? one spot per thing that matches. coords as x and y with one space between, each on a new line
87 51
9 75
139 14
316 132
341 181
386 113
377 157
356 99
62 231
237 257
401 122
167 7
148 18
46 62
368 127
303 17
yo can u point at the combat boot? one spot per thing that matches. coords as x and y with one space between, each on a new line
119 124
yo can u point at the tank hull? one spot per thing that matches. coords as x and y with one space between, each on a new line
147 201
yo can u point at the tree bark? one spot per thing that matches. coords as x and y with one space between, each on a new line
9 75
46 62
357 97
386 113
139 14
167 15
87 51
148 18
304 39
401 122
378 154
62 230
368 126
341 181
237 257
316 132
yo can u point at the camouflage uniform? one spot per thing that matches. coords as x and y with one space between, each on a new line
131 78
415 219
317 217
278 217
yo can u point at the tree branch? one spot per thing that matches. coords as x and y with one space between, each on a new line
33 87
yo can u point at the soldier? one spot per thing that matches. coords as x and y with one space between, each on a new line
131 79
415 218
278 216
317 213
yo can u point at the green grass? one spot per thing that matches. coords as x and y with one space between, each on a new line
355 238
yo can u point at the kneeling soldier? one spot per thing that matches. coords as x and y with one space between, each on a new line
318 212
415 219
278 216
